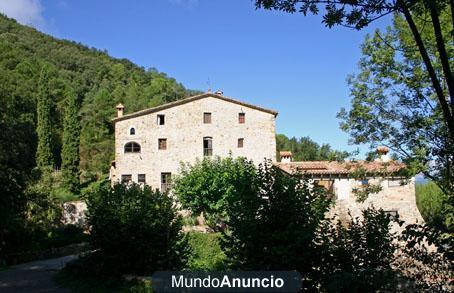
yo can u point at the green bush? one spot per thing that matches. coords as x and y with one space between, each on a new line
272 226
206 252
205 186
66 235
356 256
137 230
431 203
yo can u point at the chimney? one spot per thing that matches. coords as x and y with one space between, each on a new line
382 153
120 109
286 156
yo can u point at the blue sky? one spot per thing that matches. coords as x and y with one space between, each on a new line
289 63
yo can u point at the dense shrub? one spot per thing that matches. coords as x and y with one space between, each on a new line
426 257
206 186
431 203
357 255
136 229
272 226
206 252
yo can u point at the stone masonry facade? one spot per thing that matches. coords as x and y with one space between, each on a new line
179 138
397 197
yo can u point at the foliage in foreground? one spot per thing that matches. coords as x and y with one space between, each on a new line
280 224
136 230
206 253
357 255
273 226
206 186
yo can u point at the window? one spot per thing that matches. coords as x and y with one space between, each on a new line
165 181
207 118
141 178
126 178
132 131
162 143
207 146
132 147
240 142
241 118
161 119
365 182
328 185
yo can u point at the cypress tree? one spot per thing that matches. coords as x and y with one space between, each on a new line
71 141
44 154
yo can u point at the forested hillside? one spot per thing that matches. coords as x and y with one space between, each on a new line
98 80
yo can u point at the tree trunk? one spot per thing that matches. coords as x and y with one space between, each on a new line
447 115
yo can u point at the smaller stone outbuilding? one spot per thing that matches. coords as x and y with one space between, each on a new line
342 179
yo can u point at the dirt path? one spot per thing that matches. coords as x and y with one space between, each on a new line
34 276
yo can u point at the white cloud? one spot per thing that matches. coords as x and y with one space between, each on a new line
27 12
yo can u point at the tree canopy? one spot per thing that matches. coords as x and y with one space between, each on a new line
98 80
305 149
394 102
359 13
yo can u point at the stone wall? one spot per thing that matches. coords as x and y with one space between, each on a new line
394 197
184 130
74 213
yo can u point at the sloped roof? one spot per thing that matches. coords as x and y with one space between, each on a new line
340 168
191 99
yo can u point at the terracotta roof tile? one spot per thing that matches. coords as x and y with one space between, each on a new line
339 168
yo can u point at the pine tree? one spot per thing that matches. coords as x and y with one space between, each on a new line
71 141
44 154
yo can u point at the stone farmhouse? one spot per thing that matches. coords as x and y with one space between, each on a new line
151 144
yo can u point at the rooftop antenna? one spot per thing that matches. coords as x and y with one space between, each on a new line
209 85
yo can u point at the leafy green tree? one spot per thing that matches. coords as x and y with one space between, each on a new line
44 153
137 230
17 157
71 140
394 104
206 186
305 149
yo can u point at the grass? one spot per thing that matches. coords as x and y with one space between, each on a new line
64 195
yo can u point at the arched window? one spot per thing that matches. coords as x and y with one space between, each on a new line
132 147
132 131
